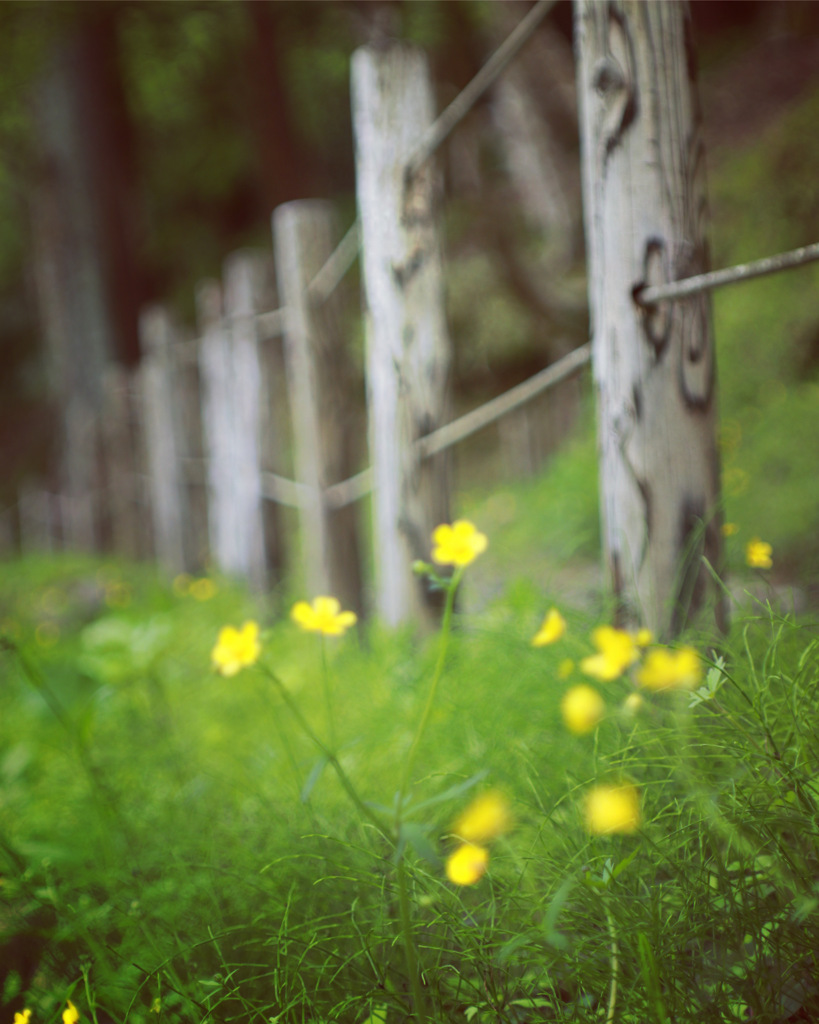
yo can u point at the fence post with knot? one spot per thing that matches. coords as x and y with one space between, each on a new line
320 381
654 366
408 351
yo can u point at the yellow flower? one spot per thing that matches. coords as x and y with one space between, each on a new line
324 615
467 864
202 590
616 651
47 634
236 648
612 809
644 637
758 554
458 544
486 818
70 1014
117 595
664 669
729 529
633 703
181 584
22 1018
553 628
582 708
565 668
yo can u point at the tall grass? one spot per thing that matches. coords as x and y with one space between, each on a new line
175 847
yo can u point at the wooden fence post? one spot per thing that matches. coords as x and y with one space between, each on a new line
230 373
408 350
654 369
81 474
119 470
320 380
160 432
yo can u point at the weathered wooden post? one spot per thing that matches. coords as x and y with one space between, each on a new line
119 463
160 430
320 382
654 368
231 385
408 350
81 474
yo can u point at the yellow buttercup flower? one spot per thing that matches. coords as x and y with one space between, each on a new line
729 529
633 703
181 584
202 590
458 544
758 554
565 668
324 615
467 864
70 1014
486 818
552 629
665 670
611 809
616 651
236 648
582 708
643 637
22 1018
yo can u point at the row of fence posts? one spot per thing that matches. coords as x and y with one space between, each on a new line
193 440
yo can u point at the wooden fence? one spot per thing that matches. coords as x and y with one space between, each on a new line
190 453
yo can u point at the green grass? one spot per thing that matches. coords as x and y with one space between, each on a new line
173 848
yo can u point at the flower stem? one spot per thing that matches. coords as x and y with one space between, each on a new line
332 760
328 696
615 966
433 690
409 944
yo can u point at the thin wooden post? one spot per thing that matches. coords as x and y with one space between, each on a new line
654 369
231 401
81 474
408 350
320 381
160 430
119 461
247 276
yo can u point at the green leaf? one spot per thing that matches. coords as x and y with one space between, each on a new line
378 1015
411 834
452 792
313 777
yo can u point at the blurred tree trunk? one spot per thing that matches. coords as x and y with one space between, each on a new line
84 245
654 370
285 170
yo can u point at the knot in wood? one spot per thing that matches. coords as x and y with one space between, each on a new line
608 78
656 317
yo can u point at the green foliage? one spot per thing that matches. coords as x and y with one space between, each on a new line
175 847
766 341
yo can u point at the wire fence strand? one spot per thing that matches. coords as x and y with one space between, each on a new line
730 275
441 128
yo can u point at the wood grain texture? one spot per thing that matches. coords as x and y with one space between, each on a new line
654 370
408 351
